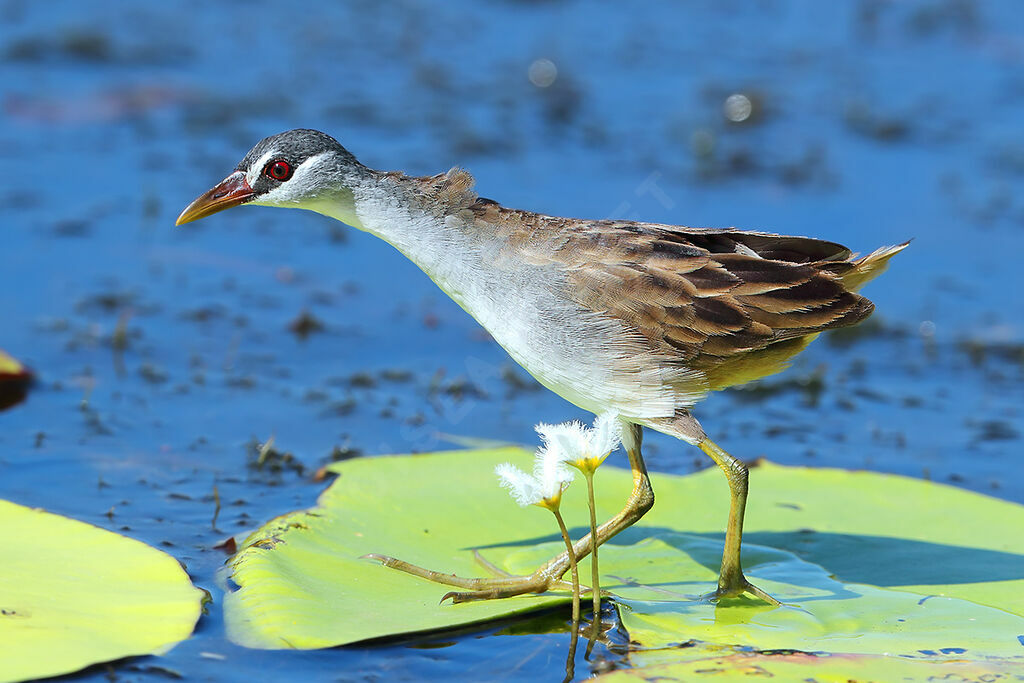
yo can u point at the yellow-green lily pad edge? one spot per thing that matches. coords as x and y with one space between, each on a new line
73 594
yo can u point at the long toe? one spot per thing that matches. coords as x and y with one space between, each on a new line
758 593
506 591
502 586
738 587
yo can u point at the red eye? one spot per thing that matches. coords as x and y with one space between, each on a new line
278 169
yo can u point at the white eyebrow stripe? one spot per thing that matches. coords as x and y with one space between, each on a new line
295 189
312 162
253 174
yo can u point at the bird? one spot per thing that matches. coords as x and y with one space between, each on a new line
640 319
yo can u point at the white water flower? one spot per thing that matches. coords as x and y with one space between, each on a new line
582 447
585 448
544 487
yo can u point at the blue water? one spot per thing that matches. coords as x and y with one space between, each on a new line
874 122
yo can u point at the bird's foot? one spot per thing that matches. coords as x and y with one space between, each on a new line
736 586
502 585
517 585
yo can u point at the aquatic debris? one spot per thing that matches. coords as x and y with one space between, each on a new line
15 380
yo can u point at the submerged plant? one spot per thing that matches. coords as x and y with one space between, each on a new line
585 449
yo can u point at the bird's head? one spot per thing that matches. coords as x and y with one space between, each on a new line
301 168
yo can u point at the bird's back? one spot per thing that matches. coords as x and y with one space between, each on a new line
658 312
733 305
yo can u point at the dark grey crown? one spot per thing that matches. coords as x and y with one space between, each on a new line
335 167
295 146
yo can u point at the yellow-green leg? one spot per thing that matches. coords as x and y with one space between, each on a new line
731 581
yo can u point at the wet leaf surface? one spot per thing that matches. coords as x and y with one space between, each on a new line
865 564
821 668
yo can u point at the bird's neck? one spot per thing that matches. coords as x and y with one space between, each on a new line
419 224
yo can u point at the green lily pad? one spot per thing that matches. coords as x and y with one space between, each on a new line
302 584
869 564
660 610
817 668
10 367
72 595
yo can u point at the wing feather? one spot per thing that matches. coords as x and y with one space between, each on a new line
704 296
730 304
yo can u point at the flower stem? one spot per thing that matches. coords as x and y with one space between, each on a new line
595 581
572 566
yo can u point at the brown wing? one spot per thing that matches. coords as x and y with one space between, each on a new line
707 296
733 304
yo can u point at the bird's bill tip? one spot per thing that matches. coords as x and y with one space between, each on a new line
231 191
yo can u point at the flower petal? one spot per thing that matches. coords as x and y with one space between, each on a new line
605 436
568 440
525 489
550 472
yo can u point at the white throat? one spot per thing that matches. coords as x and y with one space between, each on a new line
440 245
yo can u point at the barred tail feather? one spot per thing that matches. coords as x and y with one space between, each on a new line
869 267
